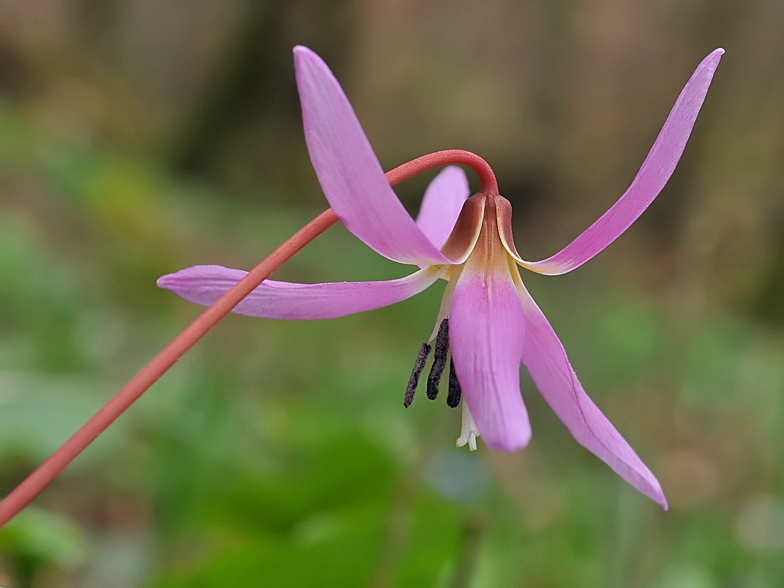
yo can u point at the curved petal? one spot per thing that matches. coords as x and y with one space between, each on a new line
204 284
442 204
467 229
653 175
349 172
486 333
546 361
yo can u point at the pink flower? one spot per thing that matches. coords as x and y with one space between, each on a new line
493 323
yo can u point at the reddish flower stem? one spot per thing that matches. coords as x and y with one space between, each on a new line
34 484
487 181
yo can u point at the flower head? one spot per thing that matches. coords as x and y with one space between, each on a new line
487 317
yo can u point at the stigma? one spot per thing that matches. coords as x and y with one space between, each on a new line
469 431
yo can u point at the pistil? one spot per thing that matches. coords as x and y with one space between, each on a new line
468 432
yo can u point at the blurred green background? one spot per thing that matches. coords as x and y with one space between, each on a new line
138 137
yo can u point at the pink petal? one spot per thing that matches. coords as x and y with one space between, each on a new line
653 175
546 360
204 284
486 333
442 204
349 173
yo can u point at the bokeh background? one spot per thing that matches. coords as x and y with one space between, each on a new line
138 137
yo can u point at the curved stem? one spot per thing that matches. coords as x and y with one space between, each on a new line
160 364
488 183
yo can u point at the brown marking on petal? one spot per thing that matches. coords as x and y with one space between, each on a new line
503 213
466 231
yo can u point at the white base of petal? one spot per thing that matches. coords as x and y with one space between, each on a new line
468 432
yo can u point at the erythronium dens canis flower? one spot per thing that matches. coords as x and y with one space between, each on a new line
487 318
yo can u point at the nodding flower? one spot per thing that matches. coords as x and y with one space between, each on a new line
487 319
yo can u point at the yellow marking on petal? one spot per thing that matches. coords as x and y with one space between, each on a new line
446 300
487 259
546 268
490 255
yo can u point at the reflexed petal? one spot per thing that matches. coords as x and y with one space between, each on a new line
486 333
442 203
546 361
349 172
653 175
468 227
204 284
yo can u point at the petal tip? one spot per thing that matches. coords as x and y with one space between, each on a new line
653 490
710 63
712 60
165 282
510 443
302 51
305 57
658 496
